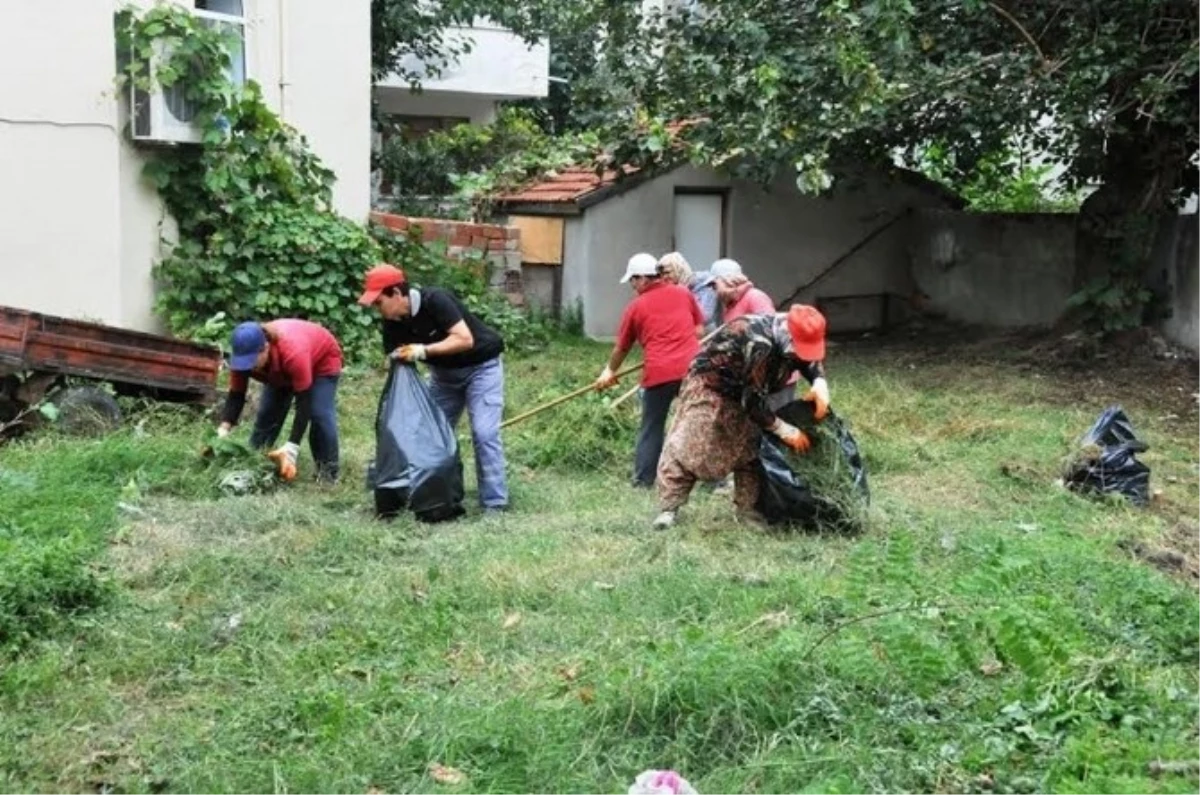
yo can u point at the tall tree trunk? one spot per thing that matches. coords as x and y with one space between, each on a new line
1143 170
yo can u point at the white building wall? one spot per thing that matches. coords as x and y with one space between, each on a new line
781 238
79 228
640 219
59 171
500 65
326 90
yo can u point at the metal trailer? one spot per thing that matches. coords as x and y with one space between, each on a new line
39 353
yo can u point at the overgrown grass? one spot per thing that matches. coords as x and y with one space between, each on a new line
986 633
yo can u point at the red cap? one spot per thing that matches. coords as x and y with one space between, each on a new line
807 327
379 279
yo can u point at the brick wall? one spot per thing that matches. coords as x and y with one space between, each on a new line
500 245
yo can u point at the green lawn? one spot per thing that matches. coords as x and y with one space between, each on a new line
986 634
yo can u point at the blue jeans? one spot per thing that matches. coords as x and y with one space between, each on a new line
480 390
273 408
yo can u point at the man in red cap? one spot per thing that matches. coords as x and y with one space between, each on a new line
431 325
724 405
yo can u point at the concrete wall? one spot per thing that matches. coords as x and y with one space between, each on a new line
781 238
1006 270
640 219
63 147
1174 271
785 239
60 230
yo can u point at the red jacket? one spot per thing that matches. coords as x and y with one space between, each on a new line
663 320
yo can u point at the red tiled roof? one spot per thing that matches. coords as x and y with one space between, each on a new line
567 185
572 184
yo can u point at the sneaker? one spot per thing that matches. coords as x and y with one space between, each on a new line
664 520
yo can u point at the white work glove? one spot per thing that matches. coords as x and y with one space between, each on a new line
223 431
285 459
607 379
410 353
819 395
792 436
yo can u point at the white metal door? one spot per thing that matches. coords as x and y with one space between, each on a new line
699 227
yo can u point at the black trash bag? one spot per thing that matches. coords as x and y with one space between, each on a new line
833 500
417 463
1106 461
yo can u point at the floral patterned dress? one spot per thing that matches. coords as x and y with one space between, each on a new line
724 407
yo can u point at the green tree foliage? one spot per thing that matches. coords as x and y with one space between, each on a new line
470 162
1105 89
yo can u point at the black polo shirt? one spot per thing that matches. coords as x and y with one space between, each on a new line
437 311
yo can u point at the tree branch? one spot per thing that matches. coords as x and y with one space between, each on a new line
860 619
1028 36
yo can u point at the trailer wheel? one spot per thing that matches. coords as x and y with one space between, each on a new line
86 411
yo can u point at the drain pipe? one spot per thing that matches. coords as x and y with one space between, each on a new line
283 45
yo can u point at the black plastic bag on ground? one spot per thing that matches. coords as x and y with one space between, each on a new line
1106 461
824 489
417 463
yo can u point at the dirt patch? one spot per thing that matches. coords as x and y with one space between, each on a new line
1176 554
1076 368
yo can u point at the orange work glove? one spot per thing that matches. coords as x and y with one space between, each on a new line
818 395
792 436
285 460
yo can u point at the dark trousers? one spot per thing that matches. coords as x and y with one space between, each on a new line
273 408
656 402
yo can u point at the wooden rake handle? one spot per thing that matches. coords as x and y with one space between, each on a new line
612 406
569 396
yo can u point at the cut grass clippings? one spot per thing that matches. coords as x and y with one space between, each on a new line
988 632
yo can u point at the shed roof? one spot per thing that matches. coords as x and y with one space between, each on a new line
569 191
567 185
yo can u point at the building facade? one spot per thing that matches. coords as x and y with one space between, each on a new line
80 230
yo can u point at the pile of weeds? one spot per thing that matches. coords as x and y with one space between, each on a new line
583 435
236 468
827 487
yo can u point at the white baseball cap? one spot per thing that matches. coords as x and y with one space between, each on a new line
724 268
640 265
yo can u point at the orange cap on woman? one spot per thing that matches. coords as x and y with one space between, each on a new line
807 326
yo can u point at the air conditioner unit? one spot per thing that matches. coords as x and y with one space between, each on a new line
162 115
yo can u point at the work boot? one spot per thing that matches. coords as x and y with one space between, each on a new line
664 521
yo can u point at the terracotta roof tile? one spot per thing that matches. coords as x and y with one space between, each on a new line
567 185
574 183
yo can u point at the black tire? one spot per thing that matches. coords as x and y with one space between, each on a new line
86 411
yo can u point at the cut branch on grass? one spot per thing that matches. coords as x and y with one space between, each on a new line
866 617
